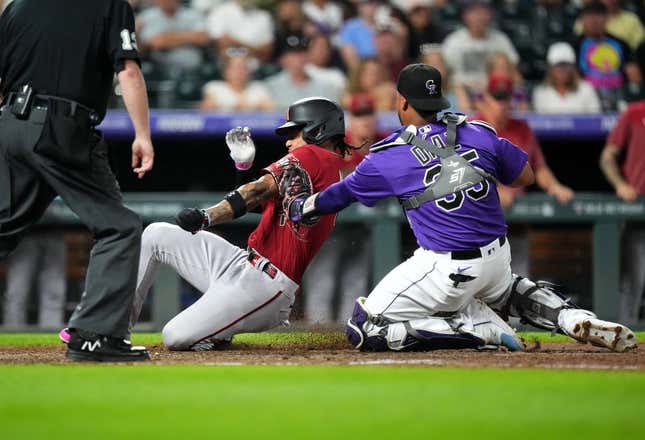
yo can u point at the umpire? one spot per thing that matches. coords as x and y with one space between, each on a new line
57 64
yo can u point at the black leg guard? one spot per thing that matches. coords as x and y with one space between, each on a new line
536 303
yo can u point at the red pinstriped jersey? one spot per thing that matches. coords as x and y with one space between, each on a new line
291 246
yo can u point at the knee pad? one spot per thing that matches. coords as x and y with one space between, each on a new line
537 303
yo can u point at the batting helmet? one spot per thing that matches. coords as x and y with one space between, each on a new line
319 119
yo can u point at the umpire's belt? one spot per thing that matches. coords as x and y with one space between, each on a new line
261 263
41 102
471 254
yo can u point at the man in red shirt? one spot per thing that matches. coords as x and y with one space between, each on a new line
496 111
250 290
628 138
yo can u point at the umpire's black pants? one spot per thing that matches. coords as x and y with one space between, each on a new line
52 153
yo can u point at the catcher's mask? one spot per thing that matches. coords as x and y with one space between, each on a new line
319 119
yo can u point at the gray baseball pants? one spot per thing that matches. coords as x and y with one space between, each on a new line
239 296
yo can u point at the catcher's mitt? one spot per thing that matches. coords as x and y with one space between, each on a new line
295 184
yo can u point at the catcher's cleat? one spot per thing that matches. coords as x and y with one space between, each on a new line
64 335
585 327
90 347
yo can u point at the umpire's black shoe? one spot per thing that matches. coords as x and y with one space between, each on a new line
90 347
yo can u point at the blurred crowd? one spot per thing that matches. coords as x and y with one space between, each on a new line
556 56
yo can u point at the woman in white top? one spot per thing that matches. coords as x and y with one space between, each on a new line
563 90
235 92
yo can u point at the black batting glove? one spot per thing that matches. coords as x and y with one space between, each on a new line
192 219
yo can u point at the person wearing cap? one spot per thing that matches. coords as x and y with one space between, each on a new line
496 110
401 312
602 57
563 91
293 82
467 49
446 294
341 267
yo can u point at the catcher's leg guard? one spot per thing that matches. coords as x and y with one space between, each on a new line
541 305
536 303
477 327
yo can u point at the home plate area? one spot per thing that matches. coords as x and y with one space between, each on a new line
539 355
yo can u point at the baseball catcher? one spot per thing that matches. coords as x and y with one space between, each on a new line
444 173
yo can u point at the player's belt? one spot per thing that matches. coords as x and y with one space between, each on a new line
471 254
256 261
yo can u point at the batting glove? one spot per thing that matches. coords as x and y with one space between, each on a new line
242 148
193 219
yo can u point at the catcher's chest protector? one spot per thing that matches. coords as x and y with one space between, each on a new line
456 173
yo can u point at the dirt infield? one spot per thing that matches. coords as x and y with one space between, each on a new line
545 355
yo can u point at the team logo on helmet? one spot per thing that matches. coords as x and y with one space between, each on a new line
431 86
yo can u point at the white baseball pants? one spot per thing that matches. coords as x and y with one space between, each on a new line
421 286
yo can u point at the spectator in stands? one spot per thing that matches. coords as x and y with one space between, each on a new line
370 77
602 57
423 29
356 36
239 23
235 93
39 261
389 41
321 56
174 36
498 64
431 54
341 267
293 83
621 24
325 14
627 139
563 91
496 110
467 49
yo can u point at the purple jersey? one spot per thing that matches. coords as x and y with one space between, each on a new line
463 220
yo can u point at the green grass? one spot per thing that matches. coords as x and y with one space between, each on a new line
262 402
40 339
185 402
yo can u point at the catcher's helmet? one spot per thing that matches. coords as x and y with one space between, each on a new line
318 117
